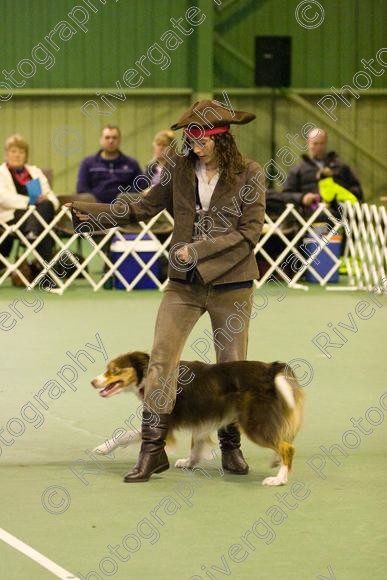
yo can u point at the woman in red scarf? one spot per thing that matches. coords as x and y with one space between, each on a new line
20 186
217 199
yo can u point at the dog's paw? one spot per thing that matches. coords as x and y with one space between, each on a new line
187 463
272 481
103 449
208 455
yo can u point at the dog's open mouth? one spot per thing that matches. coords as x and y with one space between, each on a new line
111 389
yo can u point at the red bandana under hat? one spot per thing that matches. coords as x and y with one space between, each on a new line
199 132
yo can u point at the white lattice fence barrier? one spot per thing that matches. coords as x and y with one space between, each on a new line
63 254
366 249
296 256
365 253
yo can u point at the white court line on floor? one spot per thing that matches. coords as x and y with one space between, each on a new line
25 549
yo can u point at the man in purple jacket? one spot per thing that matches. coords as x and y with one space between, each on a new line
109 172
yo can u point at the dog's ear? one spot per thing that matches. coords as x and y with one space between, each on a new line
139 361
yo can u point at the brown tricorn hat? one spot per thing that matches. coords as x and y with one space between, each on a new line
212 115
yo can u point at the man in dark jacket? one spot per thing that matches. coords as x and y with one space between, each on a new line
301 185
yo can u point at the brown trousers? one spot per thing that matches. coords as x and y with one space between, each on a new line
181 307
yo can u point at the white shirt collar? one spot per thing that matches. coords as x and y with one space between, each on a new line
206 188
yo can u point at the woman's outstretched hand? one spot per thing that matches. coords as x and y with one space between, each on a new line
81 216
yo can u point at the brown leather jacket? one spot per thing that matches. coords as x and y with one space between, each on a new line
234 222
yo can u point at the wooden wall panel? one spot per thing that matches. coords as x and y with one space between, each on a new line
45 120
327 55
98 52
119 33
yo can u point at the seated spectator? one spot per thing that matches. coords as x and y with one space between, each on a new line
164 147
104 173
301 186
17 182
161 142
321 176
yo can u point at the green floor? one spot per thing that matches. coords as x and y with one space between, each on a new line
335 529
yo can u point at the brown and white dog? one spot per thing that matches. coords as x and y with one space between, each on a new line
263 399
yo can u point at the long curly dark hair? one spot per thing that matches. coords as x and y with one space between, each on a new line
229 158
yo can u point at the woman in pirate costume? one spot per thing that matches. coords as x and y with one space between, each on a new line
217 199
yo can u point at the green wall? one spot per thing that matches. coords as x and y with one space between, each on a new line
97 53
49 110
327 55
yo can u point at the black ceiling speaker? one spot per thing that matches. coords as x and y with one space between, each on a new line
272 61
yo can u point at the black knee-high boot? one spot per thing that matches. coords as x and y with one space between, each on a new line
152 458
232 457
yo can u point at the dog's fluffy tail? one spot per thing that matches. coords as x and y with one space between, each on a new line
284 388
